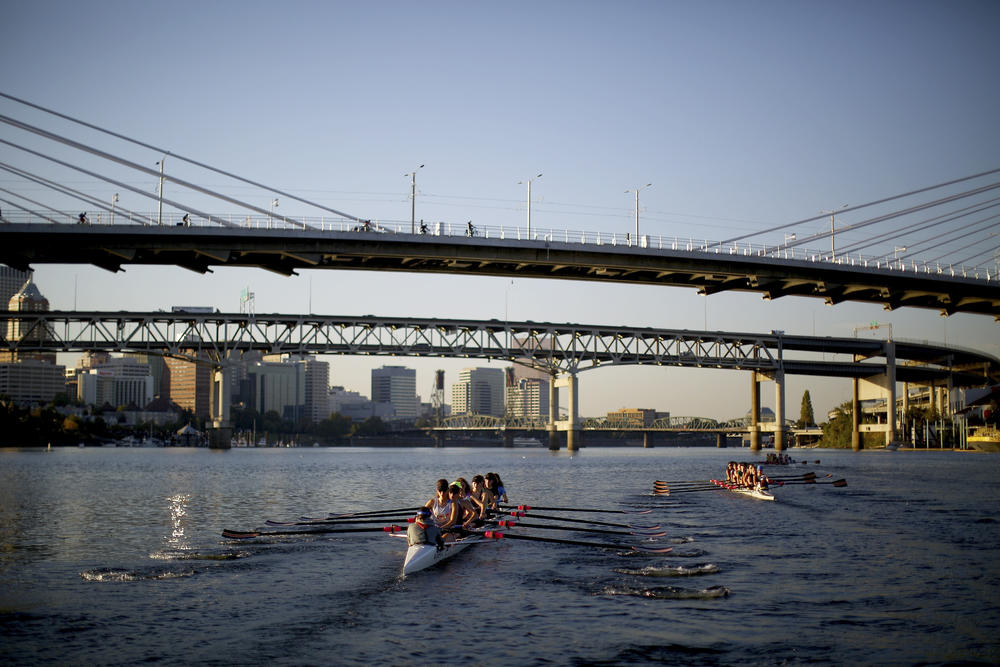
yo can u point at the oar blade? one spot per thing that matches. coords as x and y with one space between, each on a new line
840 482
652 550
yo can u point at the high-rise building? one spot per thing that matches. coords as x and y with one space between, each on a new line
278 386
397 386
189 385
28 299
30 381
528 397
11 281
156 366
478 391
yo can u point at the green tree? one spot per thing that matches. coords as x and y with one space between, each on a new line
806 417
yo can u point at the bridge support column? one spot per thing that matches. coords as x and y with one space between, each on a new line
573 431
779 410
220 435
754 412
647 440
720 440
856 444
508 439
553 412
890 407
904 420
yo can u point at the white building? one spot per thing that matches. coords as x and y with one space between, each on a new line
478 391
528 397
117 381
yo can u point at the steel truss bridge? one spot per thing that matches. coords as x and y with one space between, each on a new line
560 349
671 424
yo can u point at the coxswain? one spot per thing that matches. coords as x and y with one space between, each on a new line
423 530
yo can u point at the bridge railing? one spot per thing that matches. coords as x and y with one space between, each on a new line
644 242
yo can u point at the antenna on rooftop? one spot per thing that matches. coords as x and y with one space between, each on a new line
247 301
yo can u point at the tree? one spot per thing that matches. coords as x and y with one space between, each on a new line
806 417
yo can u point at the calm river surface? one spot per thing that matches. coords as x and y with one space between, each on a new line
114 556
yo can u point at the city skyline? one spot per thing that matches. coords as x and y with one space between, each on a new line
741 117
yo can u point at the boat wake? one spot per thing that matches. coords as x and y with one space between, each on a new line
670 592
192 555
111 574
679 571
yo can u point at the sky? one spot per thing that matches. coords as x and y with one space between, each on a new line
742 116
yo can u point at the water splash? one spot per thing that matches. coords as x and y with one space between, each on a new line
670 592
110 574
194 555
678 571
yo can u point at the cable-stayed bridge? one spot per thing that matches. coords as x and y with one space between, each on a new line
936 246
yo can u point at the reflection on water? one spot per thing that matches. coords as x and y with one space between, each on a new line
177 505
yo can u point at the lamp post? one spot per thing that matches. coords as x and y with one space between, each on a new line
114 200
413 199
270 213
833 230
159 213
528 181
637 191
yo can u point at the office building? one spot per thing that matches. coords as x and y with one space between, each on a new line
278 386
189 385
478 391
28 299
118 382
32 382
528 397
396 386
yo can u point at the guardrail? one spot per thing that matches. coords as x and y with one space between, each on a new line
881 263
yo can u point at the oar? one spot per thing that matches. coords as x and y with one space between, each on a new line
577 509
808 475
516 513
335 522
247 534
668 492
603 531
494 535
836 482
369 513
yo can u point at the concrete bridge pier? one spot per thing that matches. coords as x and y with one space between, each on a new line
573 441
779 410
647 440
754 412
553 412
220 435
720 440
508 439
856 444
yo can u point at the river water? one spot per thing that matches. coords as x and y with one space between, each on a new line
114 556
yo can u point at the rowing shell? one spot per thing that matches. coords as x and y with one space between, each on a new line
422 556
759 494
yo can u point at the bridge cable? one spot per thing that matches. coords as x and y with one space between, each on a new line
139 167
849 209
181 157
66 190
120 184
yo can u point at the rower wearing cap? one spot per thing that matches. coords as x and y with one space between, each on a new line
423 530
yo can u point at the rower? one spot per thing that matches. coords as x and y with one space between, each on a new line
483 493
424 531
466 509
496 486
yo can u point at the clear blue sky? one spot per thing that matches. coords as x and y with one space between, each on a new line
742 115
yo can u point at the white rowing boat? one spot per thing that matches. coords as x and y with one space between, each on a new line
757 493
422 556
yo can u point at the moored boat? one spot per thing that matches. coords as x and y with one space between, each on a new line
985 439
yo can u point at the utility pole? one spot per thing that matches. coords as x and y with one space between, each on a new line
528 181
833 231
413 199
636 191
159 214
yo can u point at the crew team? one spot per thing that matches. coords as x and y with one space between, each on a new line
456 507
746 475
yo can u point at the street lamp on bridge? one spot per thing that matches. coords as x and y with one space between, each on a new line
637 191
833 230
528 181
413 199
